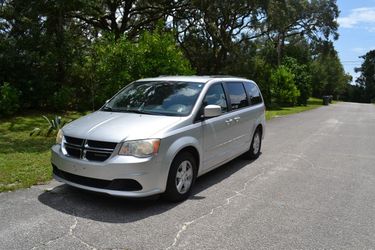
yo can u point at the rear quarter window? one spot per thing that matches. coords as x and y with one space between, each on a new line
237 95
253 93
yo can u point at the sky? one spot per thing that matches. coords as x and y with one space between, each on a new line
357 32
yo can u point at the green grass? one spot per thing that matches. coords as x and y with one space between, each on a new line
24 160
312 103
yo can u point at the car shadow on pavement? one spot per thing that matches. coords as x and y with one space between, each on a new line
105 208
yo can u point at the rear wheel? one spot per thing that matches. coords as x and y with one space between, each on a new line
181 177
256 144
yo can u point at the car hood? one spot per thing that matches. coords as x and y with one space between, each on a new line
115 127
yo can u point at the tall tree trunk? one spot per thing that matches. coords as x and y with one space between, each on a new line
60 48
280 47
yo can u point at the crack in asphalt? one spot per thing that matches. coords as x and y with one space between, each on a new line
69 233
48 242
237 193
228 200
303 158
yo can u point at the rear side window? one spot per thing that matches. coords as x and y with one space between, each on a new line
253 93
216 96
237 95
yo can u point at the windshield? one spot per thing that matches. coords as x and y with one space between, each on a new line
156 98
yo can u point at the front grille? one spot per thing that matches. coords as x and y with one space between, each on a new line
74 152
101 144
73 140
88 149
116 184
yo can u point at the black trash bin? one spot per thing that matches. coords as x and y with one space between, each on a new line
325 100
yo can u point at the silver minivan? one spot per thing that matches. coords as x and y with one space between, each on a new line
157 135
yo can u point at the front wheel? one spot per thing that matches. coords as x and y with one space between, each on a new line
181 177
256 144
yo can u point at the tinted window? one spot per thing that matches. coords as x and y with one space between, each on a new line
253 93
215 96
156 98
237 95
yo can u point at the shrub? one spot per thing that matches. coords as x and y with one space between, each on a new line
63 99
9 100
52 127
157 54
261 74
112 64
302 78
283 88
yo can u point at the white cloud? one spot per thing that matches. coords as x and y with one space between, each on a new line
357 17
359 50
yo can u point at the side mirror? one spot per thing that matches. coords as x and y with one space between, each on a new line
211 111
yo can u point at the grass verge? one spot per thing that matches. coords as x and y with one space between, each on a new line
312 103
25 160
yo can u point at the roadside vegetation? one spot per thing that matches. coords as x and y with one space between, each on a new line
364 89
73 55
25 160
312 103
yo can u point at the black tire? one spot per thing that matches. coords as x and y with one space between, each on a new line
254 153
172 193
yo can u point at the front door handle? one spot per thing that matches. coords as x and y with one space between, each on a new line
229 121
237 119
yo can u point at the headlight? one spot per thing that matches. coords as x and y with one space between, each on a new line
141 148
59 137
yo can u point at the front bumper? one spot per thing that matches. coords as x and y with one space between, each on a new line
93 176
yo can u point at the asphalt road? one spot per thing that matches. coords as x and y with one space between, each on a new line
313 187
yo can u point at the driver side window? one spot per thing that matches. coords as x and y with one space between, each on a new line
216 96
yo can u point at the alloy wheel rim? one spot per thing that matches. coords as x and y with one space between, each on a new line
256 143
184 177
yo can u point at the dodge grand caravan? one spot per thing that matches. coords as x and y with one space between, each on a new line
157 135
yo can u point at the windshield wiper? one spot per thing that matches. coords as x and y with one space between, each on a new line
136 111
106 108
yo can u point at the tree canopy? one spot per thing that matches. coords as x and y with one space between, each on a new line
364 91
74 54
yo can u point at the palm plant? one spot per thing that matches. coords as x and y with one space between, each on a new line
54 125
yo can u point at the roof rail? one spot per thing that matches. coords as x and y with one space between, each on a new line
210 76
224 76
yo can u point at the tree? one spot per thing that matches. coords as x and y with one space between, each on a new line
53 52
114 63
354 93
130 17
9 100
367 78
39 46
328 75
302 78
209 31
315 20
284 90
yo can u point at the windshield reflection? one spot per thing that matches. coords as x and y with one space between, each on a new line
156 98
